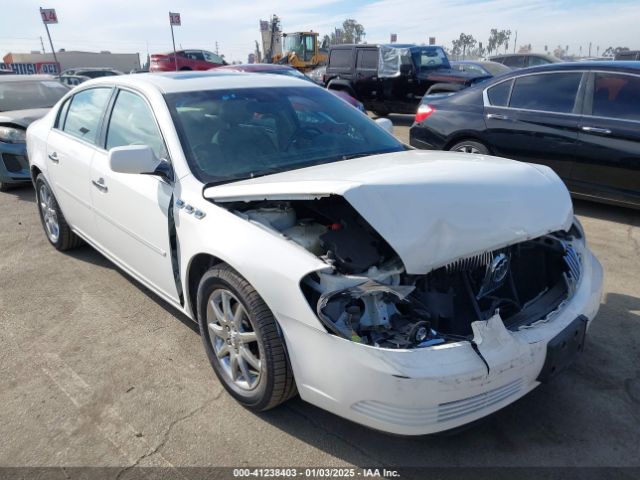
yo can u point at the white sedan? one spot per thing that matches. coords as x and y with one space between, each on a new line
405 290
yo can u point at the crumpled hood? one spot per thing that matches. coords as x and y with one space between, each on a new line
431 207
24 118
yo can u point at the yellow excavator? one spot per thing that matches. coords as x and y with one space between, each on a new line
300 50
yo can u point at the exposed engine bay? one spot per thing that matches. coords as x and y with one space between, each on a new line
367 296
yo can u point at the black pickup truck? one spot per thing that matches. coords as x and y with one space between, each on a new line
393 78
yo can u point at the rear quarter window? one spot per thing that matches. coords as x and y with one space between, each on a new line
499 94
340 58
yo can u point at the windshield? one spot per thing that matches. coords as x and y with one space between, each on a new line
425 58
495 68
291 72
229 135
17 95
301 45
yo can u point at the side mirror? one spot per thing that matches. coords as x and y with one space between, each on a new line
386 124
133 159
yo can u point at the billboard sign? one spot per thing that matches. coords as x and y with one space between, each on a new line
50 68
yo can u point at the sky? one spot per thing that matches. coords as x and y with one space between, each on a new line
143 25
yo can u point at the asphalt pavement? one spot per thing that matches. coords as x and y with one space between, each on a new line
97 371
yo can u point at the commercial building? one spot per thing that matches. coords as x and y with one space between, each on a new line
33 62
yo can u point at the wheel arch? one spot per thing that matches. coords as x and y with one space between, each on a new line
461 136
35 171
196 268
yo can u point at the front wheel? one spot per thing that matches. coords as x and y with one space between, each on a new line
470 146
243 341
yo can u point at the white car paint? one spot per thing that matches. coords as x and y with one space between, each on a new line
454 195
432 207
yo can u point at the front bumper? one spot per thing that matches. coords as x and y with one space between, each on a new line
14 165
426 390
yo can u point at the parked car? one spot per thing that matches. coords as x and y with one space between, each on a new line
393 78
581 119
23 99
75 76
276 69
73 80
317 75
480 67
186 60
408 291
628 55
524 60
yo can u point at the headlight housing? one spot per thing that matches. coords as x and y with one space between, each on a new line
12 135
578 231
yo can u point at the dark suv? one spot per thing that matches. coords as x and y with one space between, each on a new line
393 78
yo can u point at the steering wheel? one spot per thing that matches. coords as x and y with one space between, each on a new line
299 133
431 62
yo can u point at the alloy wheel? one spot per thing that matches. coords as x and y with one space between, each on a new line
233 339
49 214
467 149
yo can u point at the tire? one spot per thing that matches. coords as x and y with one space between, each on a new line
381 113
61 237
257 387
470 146
444 88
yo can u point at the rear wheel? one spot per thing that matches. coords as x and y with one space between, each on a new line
470 146
55 226
243 341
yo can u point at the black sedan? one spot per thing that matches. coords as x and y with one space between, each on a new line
580 119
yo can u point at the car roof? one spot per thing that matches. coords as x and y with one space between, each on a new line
173 82
377 45
629 66
256 67
26 78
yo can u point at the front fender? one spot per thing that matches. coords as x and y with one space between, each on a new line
272 264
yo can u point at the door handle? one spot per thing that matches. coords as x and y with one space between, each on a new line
99 184
54 157
496 116
601 131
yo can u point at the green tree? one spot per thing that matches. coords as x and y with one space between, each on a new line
464 44
353 31
612 52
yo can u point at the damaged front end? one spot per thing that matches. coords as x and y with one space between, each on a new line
366 296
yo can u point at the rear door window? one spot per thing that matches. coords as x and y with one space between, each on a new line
616 96
367 59
85 113
554 92
499 94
